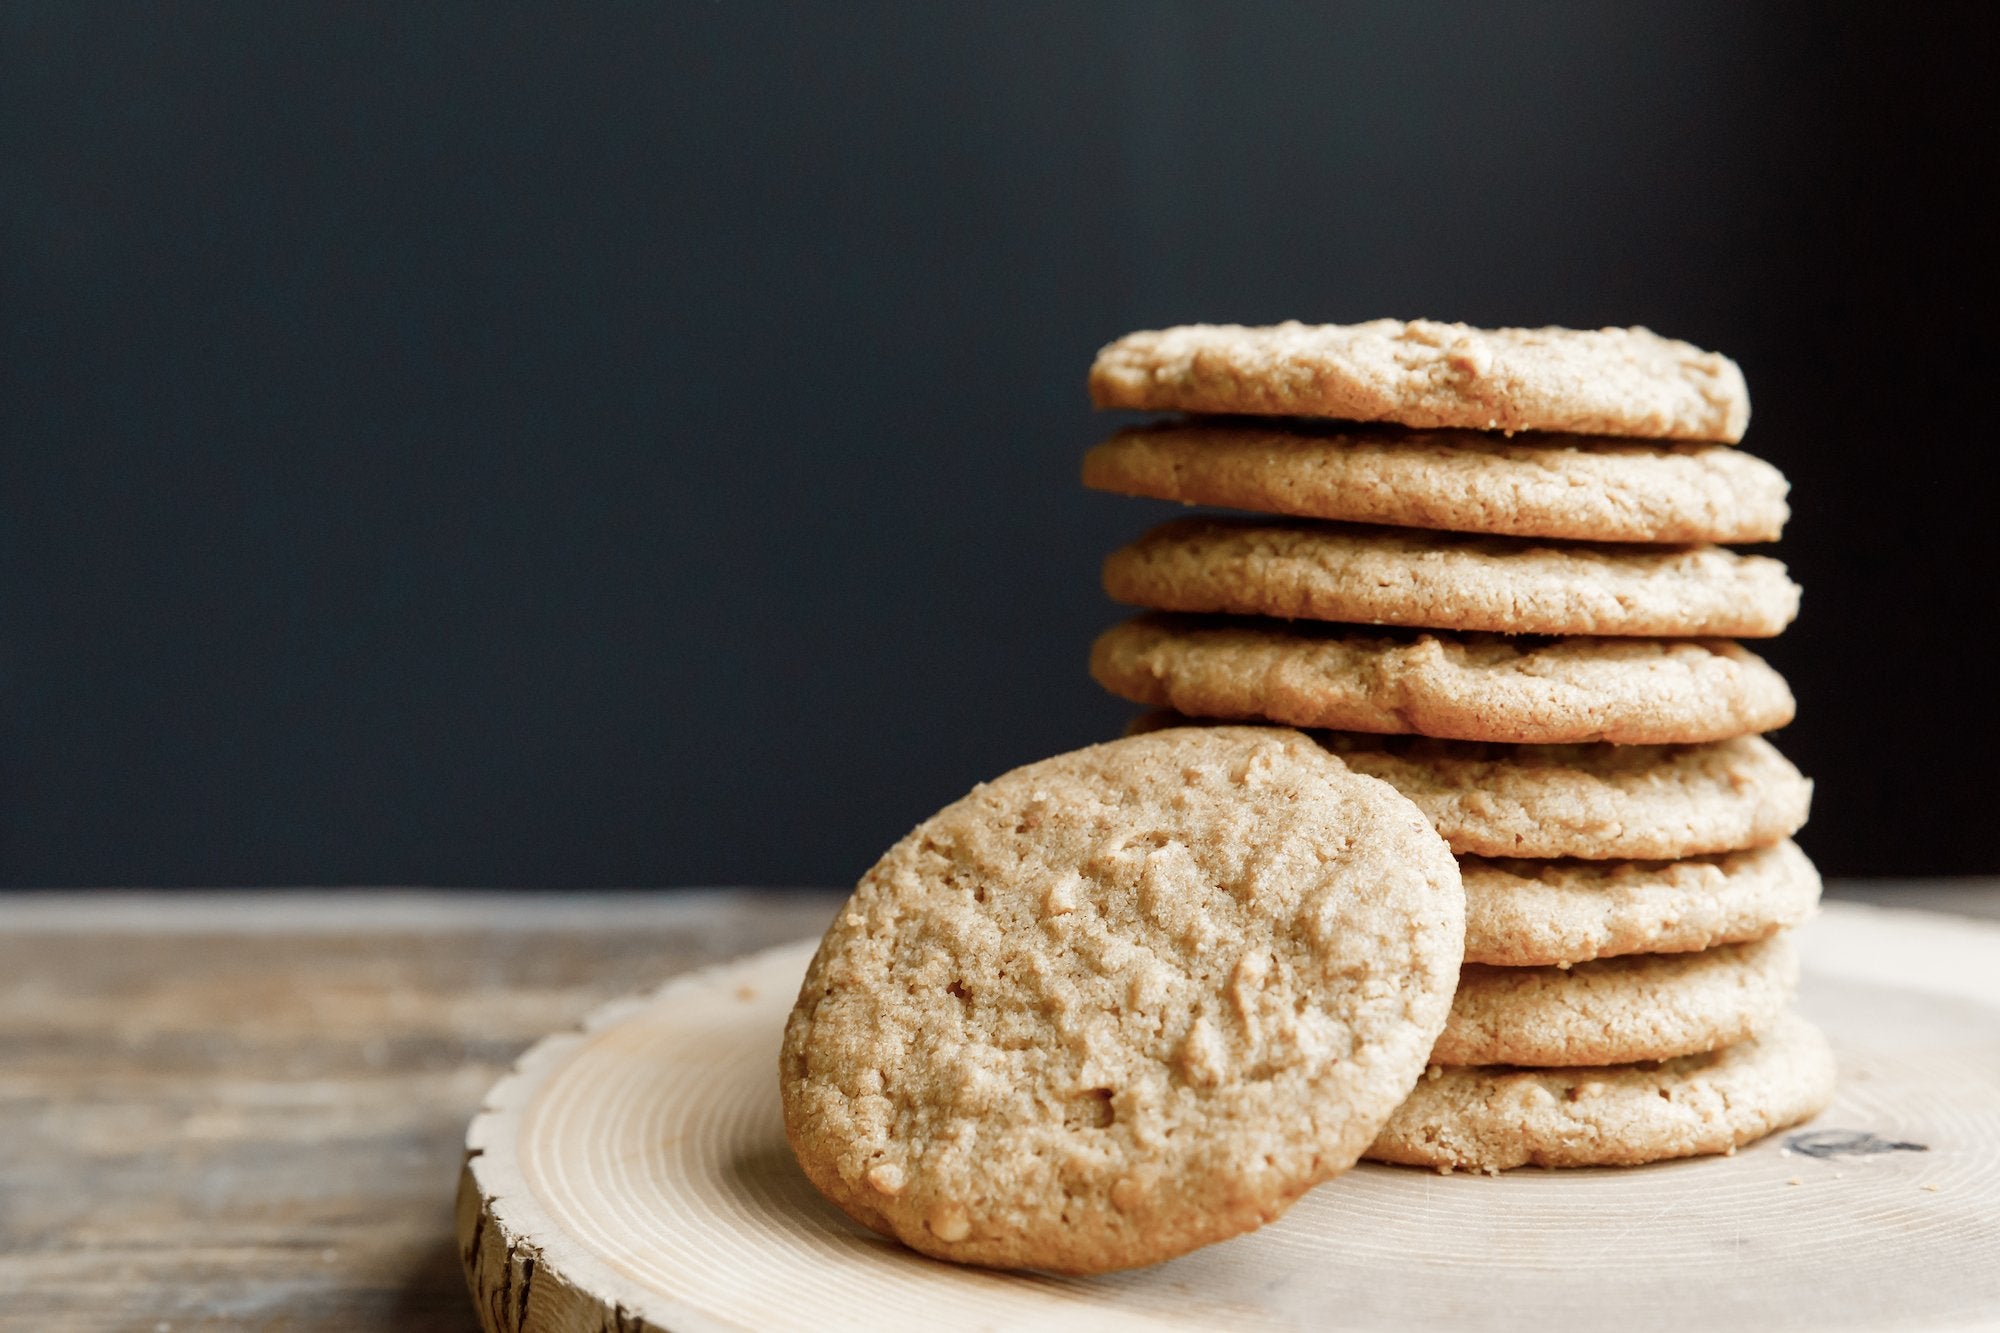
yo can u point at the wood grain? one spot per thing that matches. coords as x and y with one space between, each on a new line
633 1175
248 1111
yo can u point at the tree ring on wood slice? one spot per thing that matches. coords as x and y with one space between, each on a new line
633 1175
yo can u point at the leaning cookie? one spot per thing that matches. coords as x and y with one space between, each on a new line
1594 802
1424 373
1621 1115
1577 487
1477 687
1543 913
1123 1002
1617 1010
1430 580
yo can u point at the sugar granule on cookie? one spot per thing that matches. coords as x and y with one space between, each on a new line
1123 1002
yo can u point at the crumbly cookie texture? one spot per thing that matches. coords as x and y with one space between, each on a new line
1620 1115
1423 373
1123 1002
1644 1006
1577 487
1431 580
1479 687
1594 802
1541 913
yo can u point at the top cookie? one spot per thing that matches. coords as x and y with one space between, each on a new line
1580 487
1123 1002
1423 373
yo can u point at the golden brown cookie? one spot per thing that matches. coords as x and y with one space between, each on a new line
1479 687
1643 1006
1594 802
1621 1115
1432 580
1123 1002
1539 913
1423 373
1579 487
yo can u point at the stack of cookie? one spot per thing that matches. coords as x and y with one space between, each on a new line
1532 637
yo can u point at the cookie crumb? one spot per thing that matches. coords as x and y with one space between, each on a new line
1796 1180
1931 1188
1203 1061
949 1223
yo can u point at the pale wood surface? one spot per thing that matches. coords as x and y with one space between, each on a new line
224 1111
634 1176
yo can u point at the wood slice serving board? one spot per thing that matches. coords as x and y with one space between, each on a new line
634 1175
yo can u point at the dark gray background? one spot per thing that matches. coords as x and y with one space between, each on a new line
492 445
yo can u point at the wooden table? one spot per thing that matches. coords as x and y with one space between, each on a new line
246 1110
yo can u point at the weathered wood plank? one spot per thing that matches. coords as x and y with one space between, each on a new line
250 1114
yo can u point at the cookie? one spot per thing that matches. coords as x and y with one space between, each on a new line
1594 802
1123 1002
1578 487
1427 374
1494 1119
1644 1006
1538 913
1479 687
1431 580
